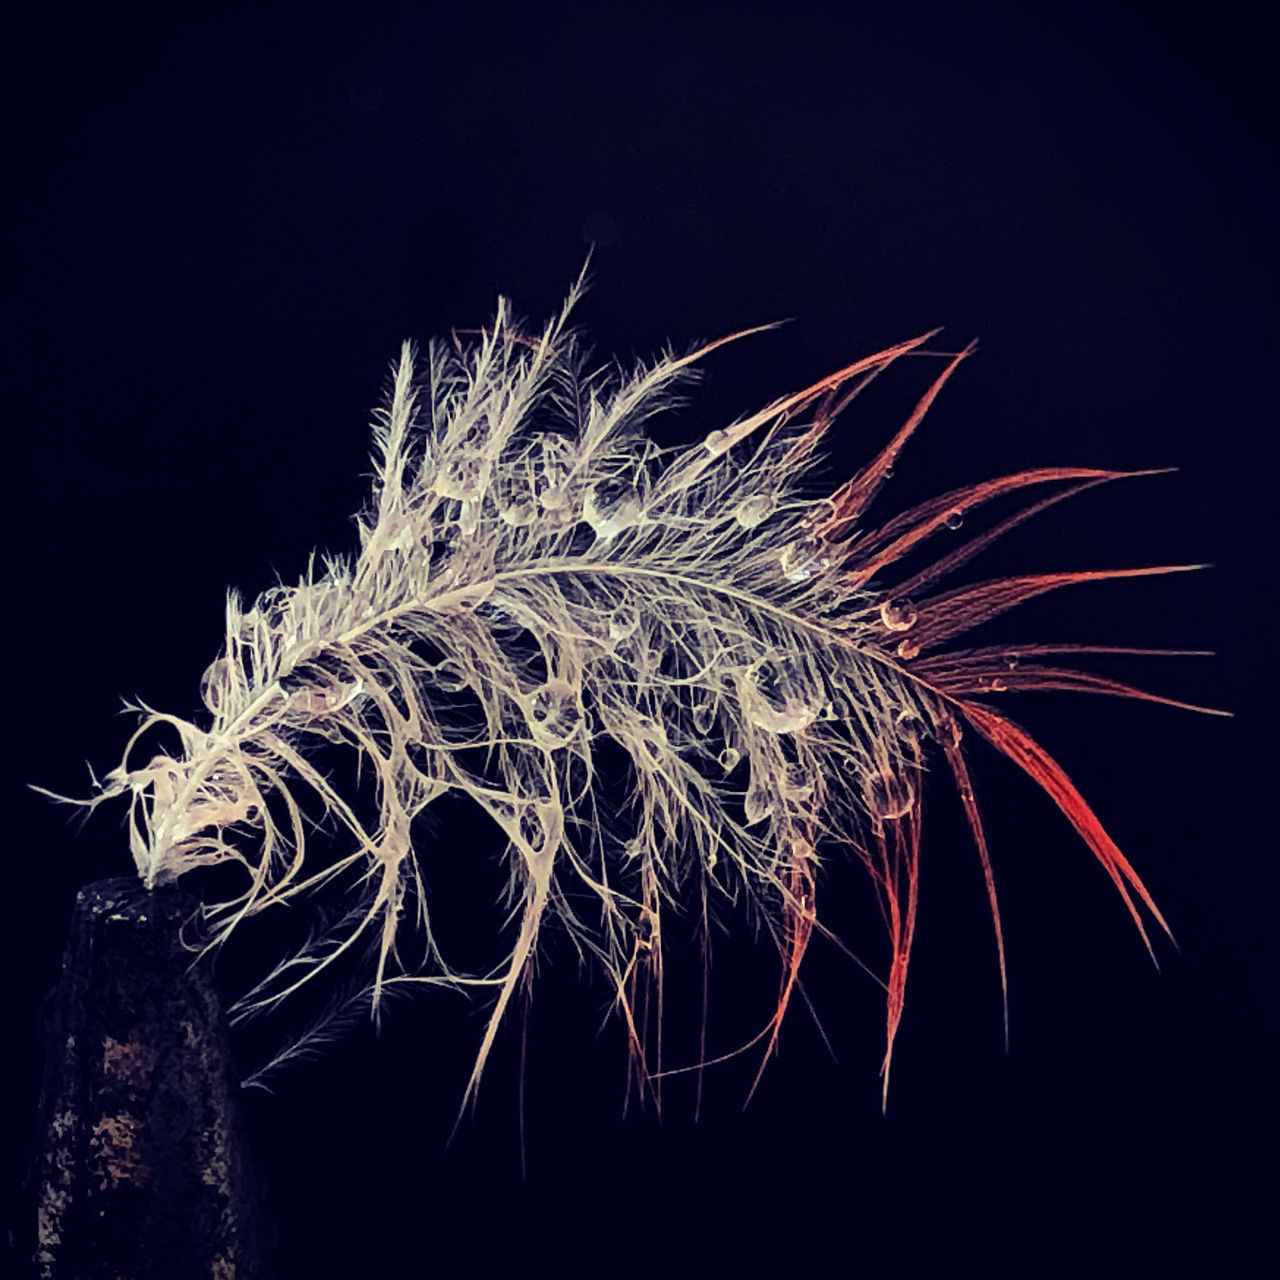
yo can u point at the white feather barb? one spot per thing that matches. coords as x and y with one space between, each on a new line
536 579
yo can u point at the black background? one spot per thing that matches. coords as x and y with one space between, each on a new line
226 227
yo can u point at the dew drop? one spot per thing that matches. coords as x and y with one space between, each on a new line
757 803
911 728
553 713
898 614
954 518
754 510
805 558
889 797
907 649
213 684
704 715
323 701
717 442
613 505
320 685
781 694
729 758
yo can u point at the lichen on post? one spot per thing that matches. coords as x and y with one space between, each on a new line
142 1167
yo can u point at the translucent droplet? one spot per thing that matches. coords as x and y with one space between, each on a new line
1011 660
320 685
717 442
757 803
954 518
611 506
729 759
463 478
889 797
325 700
754 510
213 684
992 684
805 558
553 713
907 649
782 697
704 714
911 729
898 614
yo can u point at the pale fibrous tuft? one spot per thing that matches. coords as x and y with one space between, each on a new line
536 579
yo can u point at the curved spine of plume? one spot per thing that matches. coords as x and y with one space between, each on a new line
536 578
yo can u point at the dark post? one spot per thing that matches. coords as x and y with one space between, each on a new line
143 1168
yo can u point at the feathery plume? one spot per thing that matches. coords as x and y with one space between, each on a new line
536 578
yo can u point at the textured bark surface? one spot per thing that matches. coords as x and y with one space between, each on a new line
143 1168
